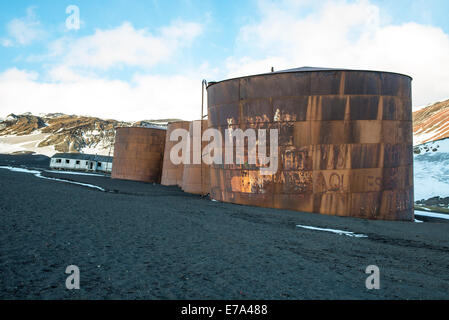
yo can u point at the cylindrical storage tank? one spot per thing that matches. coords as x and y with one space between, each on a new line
172 173
344 141
196 177
138 154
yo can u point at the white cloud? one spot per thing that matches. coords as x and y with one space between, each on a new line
6 42
126 46
346 35
71 82
146 97
238 67
64 74
24 31
15 75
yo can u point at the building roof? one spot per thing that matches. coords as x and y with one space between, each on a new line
83 156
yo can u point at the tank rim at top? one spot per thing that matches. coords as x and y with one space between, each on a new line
304 70
117 128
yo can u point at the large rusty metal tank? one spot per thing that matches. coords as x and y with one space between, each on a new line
138 154
345 141
196 177
172 173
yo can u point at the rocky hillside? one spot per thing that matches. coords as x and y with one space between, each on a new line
53 133
59 132
431 123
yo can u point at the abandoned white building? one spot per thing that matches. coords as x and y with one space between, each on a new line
81 162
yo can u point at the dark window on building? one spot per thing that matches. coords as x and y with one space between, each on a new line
99 164
58 160
87 162
67 161
78 162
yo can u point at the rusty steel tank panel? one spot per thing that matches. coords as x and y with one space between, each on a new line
196 177
344 147
138 154
171 173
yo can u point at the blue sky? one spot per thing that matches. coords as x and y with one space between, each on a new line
221 19
128 57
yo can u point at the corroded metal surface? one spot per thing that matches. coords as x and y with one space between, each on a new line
171 173
196 178
345 142
138 154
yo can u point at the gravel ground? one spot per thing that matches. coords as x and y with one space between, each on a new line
146 241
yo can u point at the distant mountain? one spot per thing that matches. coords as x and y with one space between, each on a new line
431 123
56 132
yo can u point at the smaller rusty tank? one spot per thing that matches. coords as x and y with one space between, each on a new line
138 154
172 173
196 177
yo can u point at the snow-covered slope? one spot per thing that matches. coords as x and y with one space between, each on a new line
51 133
431 169
26 143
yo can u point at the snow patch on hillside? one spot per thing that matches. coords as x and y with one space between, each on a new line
431 170
419 138
432 214
13 144
99 149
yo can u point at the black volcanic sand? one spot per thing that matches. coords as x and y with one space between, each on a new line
36 161
145 241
